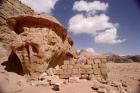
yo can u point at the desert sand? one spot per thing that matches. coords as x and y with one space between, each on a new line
128 73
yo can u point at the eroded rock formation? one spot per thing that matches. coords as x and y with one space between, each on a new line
42 43
10 8
36 41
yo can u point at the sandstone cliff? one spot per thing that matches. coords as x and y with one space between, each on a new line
10 8
37 41
13 7
42 43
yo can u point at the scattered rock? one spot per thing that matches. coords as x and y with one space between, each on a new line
42 76
50 72
66 81
115 84
56 87
102 90
56 80
95 87
57 67
124 84
74 79
40 83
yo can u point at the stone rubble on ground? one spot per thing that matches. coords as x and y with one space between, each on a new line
56 87
74 79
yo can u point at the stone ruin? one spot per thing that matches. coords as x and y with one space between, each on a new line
43 43
84 69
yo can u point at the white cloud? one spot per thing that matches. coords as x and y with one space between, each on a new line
109 37
91 50
87 51
92 6
96 24
78 50
40 6
89 24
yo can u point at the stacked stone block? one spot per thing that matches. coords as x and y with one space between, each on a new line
92 66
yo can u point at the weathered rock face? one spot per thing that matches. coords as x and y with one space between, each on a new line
37 41
13 7
41 43
10 8
17 23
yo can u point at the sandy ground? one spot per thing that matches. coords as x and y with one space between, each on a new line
129 73
83 87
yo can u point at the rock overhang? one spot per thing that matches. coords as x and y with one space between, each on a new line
17 23
36 33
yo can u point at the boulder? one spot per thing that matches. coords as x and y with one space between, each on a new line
39 83
42 76
55 80
42 43
74 79
56 87
37 41
102 90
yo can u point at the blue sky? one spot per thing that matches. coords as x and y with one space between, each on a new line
121 35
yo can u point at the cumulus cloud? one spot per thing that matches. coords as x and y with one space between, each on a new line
87 51
91 50
92 6
41 6
92 20
89 24
109 37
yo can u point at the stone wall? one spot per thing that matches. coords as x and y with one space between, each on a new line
95 66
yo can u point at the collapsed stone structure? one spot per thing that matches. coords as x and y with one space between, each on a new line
84 69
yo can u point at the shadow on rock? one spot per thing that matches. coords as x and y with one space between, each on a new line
13 64
138 89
